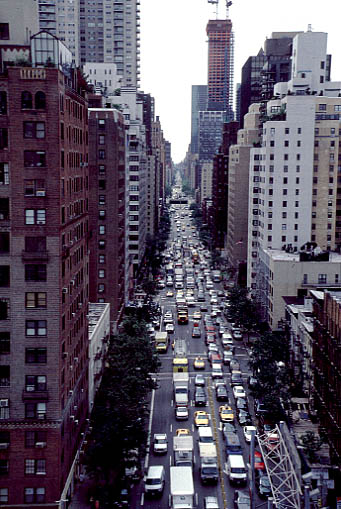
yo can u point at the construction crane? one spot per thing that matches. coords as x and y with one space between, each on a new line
216 2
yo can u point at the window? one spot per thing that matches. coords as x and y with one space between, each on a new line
269 238
26 101
34 187
4 409
101 154
322 107
284 215
101 273
287 130
35 216
3 103
4 242
34 130
297 192
296 215
5 342
35 300
101 169
286 157
101 244
337 107
101 199
101 185
101 123
34 495
4 276
36 328
322 279
3 138
283 238
101 139
4 467
284 203
32 438
3 491
101 288
284 192
4 31
101 258
35 272
34 158
286 143
40 101
298 157
284 226
34 383
101 229
37 467
4 376
4 174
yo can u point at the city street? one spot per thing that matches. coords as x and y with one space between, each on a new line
162 419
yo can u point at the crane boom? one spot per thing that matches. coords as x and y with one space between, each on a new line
216 2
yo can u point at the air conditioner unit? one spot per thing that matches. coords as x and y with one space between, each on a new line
40 445
3 402
73 282
41 222
80 304
64 290
65 354
75 408
71 367
70 392
76 421
75 359
4 445
42 192
73 314
71 242
72 417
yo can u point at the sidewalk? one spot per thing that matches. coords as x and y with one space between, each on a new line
80 498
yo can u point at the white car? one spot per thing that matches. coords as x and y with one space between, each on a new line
247 430
238 391
181 413
160 443
170 327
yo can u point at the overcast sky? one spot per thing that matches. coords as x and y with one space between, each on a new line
174 48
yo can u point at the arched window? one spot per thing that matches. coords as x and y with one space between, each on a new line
26 101
40 101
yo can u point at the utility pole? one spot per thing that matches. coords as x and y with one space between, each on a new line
252 473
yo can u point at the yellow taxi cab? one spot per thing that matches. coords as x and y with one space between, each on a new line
199 363
197 315
226 413
182 432
170 293
201 418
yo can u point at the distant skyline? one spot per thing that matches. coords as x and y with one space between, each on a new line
174 48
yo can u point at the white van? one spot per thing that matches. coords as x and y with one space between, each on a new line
205 435
236 469
155 480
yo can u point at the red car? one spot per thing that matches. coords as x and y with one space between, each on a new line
259 463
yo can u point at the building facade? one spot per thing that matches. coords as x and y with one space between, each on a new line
199 103
220 66
107 209
44 280
110 32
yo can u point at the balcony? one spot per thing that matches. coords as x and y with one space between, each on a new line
40 256
35 395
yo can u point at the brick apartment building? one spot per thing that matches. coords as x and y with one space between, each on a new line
43 276
326 364
107 208
220 185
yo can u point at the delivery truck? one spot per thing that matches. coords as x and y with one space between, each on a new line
161 341
181 392
181 488
208 463
183 451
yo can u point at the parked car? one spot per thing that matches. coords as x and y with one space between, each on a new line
238 391
263 485
241 500
243 416
199 380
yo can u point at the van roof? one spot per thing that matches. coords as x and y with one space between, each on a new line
205 431
236 460
155 470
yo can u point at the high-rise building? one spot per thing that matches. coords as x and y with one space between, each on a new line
61 18
220 185
210 133
293 193
44 276
110 32
260 73
220 66
107 209
199 103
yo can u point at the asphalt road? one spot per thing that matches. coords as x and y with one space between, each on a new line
162 418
